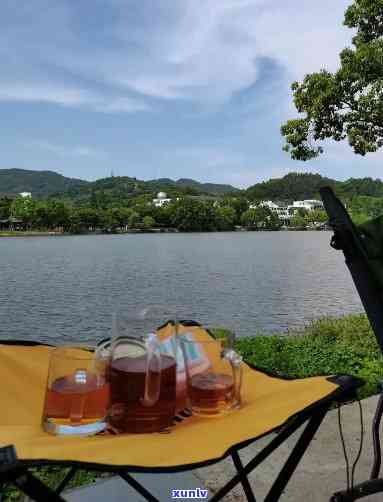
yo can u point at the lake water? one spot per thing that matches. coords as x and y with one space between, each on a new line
65 288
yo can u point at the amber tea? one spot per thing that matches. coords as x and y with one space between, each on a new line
77 403
77 394
213 374
211 391
129 412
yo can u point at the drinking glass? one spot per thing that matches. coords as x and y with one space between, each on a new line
77 393
213 375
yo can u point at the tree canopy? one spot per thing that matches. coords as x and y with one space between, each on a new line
347 104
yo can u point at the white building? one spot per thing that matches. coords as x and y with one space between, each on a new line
282 211
161 199
309 205
270 204
25 194
285 213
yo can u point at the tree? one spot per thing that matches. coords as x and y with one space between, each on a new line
40 215
239 204
164 215
108 220
225 218
57 214
134 220
148 222
302 211
190 215
316 216
88 218
123 214
298 221
5 207
23 208
347 103
260 218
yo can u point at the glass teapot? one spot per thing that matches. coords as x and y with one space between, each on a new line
142 381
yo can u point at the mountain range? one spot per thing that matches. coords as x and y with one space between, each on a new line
293 186
49 183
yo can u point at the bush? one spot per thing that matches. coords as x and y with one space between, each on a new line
345 345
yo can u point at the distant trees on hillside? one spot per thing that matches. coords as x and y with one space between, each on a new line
104 212
261 218
293 186
186 214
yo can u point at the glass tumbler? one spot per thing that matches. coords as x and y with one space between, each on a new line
77 393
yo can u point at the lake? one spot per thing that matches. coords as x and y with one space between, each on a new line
64 289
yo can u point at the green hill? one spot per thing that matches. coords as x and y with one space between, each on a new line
360 186
293 186
48 183
40 183
209 188
299 186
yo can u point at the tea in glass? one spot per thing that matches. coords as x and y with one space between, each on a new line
214 376
77 394
142 385
211 391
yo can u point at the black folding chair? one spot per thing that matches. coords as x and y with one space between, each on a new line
350 240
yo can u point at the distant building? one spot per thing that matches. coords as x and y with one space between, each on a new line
267 203
309 205
25 194
282 211
286 212
161 199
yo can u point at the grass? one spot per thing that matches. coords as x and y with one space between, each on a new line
52 476
24 233
327 346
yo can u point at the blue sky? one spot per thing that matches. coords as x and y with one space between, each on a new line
166 88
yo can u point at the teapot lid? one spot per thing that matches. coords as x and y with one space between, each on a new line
129 349
122 347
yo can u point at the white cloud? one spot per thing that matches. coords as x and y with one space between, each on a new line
63 150
213 48
200 50
58 94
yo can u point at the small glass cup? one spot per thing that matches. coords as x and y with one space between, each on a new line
77 393
213 376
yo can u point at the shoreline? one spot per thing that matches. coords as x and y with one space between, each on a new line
42 233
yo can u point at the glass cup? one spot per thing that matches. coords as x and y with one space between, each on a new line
213 375
77 393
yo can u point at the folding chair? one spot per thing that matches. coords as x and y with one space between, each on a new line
363 250
270 404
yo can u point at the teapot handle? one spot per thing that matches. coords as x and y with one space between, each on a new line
235 361
153 376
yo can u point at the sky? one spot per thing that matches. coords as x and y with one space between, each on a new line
166 88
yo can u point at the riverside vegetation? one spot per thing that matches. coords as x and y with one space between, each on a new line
121 204
327 346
